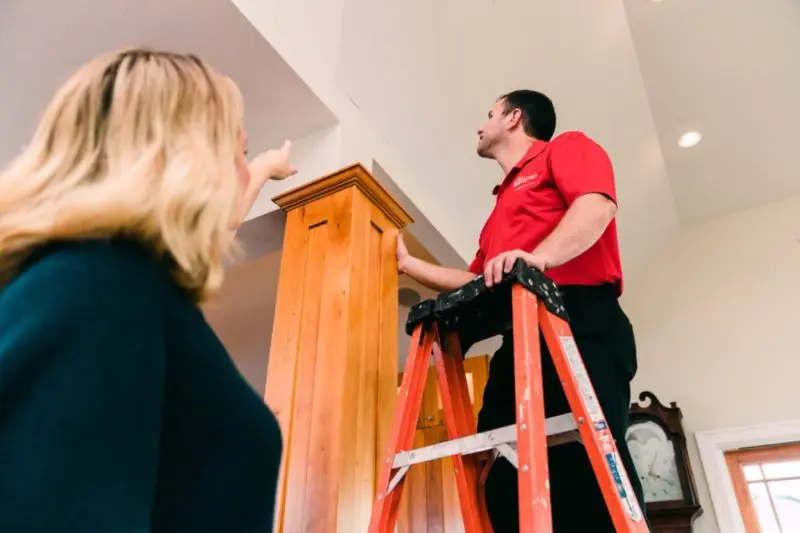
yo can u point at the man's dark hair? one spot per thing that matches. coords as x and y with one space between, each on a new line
538 112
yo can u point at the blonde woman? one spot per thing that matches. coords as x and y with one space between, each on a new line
120 411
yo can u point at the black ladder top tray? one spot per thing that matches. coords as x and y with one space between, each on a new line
478 312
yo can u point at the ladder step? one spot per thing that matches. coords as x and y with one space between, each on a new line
559 429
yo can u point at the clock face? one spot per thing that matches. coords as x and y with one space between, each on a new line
654 457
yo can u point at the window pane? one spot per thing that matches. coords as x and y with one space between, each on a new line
786 497
763 507
782 469
752 472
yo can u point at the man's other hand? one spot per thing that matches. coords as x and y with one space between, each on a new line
402 255
494 269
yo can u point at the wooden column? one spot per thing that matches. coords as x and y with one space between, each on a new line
333 359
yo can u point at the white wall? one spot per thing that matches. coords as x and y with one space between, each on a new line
432 70
314 155
307 34
242 315
411 82
716 319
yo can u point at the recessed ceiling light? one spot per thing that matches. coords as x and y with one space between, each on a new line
689 139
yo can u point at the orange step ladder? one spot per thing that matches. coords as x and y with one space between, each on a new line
526 300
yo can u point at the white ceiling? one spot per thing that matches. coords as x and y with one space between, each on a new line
432 70
634 74
729 69
42 42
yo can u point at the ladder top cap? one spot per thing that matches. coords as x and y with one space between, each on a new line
487 308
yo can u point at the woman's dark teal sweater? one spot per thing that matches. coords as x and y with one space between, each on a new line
120 410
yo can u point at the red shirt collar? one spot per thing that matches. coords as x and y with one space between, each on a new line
536 148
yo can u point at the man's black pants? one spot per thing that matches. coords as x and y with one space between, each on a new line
605 339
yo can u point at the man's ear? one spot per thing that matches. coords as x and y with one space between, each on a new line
514 118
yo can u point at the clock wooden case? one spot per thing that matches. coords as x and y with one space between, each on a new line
657 442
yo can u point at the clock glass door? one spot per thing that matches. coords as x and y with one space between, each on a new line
767 485
653 455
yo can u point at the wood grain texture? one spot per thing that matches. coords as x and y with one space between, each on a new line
354 175
746 507
333 355
430 499
736 460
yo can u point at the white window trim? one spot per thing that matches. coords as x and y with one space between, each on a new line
712 446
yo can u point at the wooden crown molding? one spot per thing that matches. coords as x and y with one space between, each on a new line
354 175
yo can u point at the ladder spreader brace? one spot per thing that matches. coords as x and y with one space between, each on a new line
460 318
559 429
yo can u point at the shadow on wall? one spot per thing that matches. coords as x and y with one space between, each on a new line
242 314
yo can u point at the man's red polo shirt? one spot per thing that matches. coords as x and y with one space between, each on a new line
534 197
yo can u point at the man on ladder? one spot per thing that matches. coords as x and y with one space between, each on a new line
554 209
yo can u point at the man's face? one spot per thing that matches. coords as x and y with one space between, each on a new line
494 130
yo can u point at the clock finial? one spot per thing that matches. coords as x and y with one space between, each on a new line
653 400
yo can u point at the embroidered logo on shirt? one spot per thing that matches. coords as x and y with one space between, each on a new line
524 180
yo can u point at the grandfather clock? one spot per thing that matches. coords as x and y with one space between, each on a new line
657 443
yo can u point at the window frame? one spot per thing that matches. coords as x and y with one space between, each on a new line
737 459
712 446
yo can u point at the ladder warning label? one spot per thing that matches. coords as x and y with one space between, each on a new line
623 485
582 378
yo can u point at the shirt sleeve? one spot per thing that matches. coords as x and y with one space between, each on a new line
81 385
581 166
476 266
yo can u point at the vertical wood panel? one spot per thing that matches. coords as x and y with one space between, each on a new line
451 508
283 371
434 485
334 344
358 425
417 492
331 370
300 437
387 341
373 311
430 498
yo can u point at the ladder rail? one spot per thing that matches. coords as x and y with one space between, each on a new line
621 501
460 422
533 472
535 308
401 436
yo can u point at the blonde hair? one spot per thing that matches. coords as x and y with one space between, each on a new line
136 143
